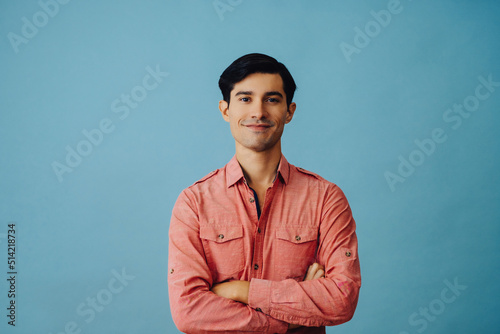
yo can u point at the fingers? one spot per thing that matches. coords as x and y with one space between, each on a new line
310 272
320 273
315 271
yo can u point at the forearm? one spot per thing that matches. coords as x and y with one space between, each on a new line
322 302
201 311
239 290
234 290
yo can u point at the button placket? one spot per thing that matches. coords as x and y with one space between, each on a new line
261 228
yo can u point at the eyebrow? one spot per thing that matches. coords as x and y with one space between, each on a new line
272 93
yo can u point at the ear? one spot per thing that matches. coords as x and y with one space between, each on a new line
224 108
291 111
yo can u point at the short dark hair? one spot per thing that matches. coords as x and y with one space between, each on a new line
255 63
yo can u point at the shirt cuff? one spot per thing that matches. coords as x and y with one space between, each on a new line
259 298
259 295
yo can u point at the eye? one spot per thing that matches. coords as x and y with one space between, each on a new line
273 100
244 99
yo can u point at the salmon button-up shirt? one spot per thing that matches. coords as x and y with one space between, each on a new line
216 235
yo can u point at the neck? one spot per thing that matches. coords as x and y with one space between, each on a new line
259 168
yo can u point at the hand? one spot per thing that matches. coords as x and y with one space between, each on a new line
315 271
234 290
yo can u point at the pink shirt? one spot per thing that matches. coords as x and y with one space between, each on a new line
215 235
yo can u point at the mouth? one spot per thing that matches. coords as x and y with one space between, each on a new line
258 127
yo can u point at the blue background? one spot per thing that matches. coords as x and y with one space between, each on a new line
356 116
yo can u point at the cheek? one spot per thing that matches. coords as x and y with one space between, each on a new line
284 120
234 127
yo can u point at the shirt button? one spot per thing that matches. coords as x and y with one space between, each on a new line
255 266
297 238
221 236
258 309
252 200
258 230
347 253
172 270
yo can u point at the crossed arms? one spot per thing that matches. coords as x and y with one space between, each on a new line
327 296
238 290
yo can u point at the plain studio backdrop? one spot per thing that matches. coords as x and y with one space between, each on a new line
109 110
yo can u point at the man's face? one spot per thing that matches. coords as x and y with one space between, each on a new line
257 112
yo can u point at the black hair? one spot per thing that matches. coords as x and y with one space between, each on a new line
255 63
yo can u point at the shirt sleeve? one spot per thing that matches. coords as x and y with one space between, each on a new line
326 301
194 308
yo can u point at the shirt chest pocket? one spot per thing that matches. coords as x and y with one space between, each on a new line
294 250
224 249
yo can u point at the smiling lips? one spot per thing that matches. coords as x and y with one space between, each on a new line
258 126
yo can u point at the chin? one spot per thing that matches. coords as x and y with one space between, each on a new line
260 147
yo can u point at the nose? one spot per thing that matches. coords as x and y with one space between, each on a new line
258 110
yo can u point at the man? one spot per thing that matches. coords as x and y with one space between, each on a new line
261 245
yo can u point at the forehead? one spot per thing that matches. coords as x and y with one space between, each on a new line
260 83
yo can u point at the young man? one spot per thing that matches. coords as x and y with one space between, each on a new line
261 245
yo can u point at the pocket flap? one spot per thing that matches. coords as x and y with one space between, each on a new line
221 234
297 234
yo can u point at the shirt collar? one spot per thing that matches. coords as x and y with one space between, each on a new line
234 173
